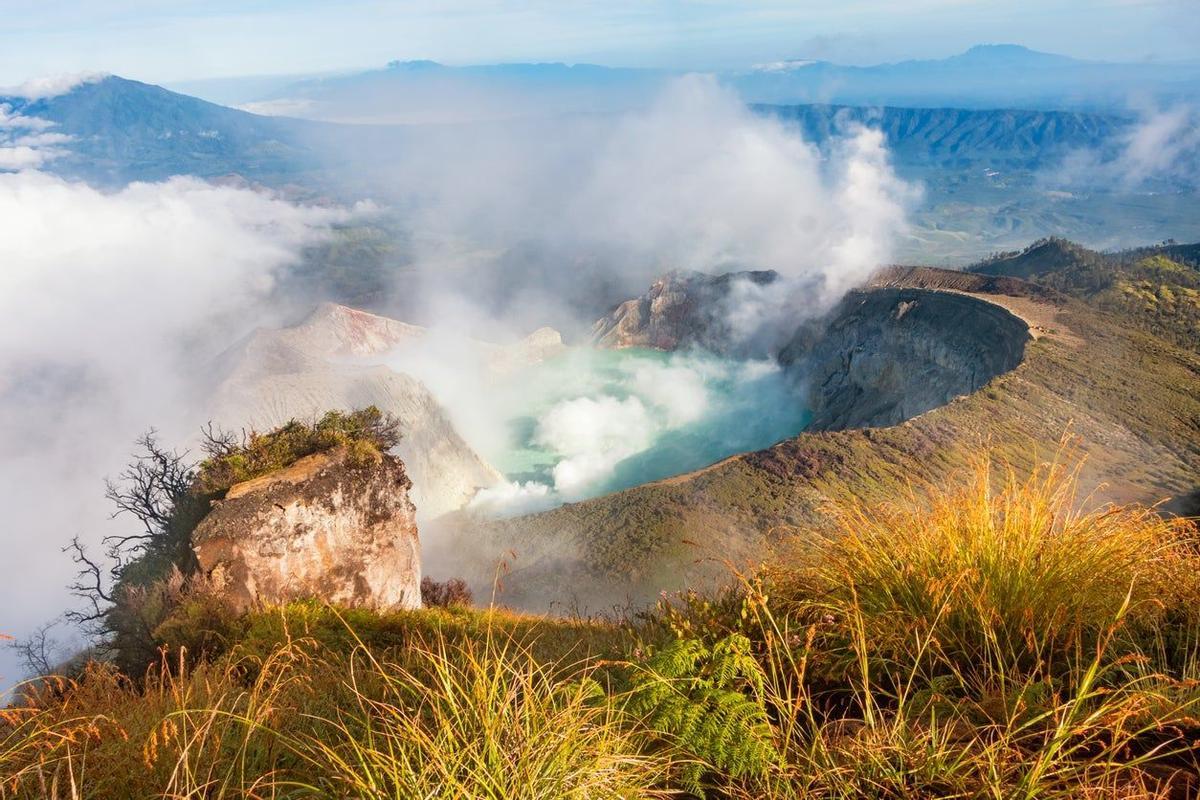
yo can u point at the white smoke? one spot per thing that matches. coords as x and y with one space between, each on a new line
695 181
522 213
700 181
110 306
590 435
1162 145
590 422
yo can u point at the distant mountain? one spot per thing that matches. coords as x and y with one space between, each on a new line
122 130
988 175
986 76
426 91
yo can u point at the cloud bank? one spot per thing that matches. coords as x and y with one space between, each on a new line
111 306
46 86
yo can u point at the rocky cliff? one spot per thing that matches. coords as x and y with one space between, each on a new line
332 526
690 309
886 355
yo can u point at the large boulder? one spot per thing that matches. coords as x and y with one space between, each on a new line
338 526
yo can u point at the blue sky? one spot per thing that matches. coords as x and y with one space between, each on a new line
157 40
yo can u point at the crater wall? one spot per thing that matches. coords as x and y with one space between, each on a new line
886 355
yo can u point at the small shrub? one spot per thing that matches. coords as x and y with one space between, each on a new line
179 611
445 594
202 622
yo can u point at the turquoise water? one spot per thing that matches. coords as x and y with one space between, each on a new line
595 421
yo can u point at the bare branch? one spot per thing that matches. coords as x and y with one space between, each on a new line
217 442
37 652
89 585
150 488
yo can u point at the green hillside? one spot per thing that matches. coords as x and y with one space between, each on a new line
1156 289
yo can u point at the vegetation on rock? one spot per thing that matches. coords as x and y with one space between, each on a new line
366 432
1155 288
148 574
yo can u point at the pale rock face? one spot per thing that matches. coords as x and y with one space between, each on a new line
330 361
324 528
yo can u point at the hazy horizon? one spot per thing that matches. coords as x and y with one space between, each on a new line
163 42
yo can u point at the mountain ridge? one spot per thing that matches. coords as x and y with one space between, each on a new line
126 130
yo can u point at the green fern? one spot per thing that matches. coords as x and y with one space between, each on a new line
706 703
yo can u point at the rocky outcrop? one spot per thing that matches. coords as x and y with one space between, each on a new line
327 527
689 309
886 355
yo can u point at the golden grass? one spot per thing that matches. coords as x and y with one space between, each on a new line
989 639
480 720
1000 639
1001 573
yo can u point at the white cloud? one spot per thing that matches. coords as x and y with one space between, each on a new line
21 157
1163 145
111 308
12 119
283 107
47 86
25 142
42 139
